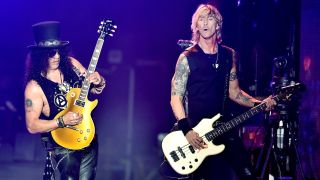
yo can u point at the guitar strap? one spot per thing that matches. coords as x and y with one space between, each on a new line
226 88
48 171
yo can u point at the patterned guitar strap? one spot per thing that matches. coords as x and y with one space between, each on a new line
48 172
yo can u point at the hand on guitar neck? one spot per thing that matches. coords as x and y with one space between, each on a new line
270 103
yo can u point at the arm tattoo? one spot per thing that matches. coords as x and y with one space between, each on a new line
180 78
233 76
242 98
28 104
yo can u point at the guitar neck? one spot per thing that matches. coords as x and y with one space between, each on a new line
91 69
238 120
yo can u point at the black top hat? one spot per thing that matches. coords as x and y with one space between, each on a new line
47 35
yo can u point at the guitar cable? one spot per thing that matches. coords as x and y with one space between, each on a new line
168 176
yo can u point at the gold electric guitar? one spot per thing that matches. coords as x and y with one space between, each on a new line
184 159
80 136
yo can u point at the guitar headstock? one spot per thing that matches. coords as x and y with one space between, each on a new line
106 28
286 92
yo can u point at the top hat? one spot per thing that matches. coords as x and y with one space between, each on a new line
47 35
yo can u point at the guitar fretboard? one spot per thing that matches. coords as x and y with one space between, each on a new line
92 67
238 120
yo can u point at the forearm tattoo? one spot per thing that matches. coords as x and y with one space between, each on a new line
180 78
28 104
233 76
243 98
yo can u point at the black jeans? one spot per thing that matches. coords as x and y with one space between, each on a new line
78 164
235 156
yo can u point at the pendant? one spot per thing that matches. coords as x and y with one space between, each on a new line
64 87
216 65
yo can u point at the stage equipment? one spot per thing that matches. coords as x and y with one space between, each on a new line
280 152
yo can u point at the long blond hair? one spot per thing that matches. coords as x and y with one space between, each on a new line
211 10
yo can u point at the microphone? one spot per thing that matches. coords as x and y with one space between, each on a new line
185 43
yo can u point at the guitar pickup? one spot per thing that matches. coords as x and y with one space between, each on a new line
181 152
174 156
79 103
192 149
71 127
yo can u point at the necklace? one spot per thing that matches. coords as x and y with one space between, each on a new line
216 64
64 87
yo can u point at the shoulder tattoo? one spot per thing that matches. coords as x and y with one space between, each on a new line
179 80
233 76
28 104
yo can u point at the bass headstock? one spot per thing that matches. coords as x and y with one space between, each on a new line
106 28
286 92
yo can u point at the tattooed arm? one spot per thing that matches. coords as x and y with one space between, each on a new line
34 105
178 87
235 93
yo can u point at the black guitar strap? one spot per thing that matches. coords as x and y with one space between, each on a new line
229 61
225 94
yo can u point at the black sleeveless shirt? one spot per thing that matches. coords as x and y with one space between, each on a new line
208 82
55 94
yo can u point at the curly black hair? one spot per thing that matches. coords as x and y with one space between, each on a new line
37 62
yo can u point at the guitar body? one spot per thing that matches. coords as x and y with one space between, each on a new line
175 140
185 160
81 135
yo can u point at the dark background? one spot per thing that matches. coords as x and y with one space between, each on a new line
138 63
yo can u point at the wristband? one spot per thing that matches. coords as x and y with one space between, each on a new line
60 122
101 84
184 126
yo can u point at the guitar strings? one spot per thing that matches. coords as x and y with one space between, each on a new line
186 150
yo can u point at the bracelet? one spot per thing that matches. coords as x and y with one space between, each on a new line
101 84
184 125
60 122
